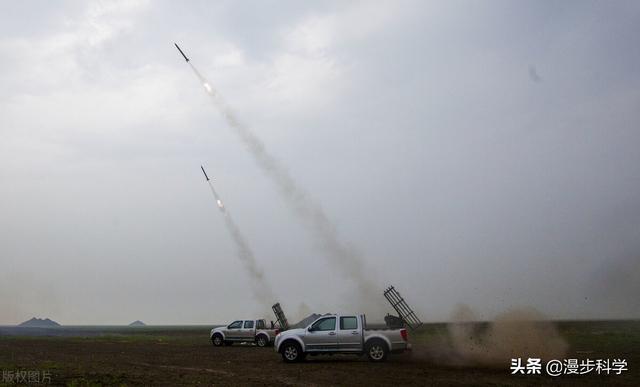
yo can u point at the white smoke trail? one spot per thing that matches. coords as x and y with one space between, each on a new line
261 289
345 258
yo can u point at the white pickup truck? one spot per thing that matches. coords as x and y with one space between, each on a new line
334 333
244 331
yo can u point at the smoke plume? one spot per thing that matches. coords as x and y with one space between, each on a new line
519 333
342 255
262 291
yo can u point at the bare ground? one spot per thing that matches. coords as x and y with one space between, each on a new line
184 356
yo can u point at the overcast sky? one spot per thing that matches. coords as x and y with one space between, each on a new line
484 153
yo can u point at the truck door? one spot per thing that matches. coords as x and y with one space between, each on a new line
321 336
233 330
248 332
349 334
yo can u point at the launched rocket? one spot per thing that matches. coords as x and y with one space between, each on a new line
183 55
205 173
213 191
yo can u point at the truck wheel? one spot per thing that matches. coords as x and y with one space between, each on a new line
291 352
217 340
262 341
377 351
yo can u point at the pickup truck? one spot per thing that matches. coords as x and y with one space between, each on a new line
243 331
335 333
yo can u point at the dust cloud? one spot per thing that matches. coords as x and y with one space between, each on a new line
518 333
343 255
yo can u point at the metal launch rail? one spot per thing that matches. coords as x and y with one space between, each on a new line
281 320
400 305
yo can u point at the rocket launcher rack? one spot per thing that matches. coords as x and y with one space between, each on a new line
400 305
280 317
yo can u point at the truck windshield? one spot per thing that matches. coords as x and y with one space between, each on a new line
235 325
326 324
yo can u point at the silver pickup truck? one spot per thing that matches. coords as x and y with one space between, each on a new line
243 331
340 334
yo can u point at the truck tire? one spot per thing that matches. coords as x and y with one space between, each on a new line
377 350
291 352
217 340
262 340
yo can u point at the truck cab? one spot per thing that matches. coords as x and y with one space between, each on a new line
333 333
340 334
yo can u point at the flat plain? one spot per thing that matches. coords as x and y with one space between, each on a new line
183 355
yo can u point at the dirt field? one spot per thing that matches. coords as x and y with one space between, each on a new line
183 355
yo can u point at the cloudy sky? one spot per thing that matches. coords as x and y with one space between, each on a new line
483 153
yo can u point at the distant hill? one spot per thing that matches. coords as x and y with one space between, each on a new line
137 323
39 323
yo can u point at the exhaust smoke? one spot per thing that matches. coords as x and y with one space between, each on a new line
518 333
344 256
262 291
